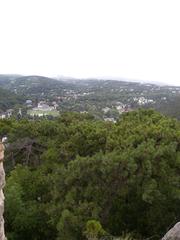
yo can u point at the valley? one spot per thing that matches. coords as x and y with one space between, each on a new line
104 99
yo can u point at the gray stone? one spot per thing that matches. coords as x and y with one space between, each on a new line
173 233
2 183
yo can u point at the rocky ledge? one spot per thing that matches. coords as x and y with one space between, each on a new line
2 184
173 233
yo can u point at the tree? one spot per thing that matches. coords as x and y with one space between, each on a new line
94 230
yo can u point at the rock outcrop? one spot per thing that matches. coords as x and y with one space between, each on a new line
2 183
173 233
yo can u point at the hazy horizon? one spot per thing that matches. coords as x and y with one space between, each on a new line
131 40
62 77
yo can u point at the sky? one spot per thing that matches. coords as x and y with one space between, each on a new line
138 40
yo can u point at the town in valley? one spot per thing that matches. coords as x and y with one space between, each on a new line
42 97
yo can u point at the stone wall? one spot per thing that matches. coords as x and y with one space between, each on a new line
2 184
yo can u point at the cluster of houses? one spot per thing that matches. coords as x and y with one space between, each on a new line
120 107
42 108
7 114
142 101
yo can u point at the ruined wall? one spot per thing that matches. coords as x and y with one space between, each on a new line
2 183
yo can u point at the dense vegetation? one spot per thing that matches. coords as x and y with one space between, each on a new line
9 100
76 178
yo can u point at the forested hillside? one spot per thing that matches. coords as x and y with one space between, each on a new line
5 79
76 178
9 99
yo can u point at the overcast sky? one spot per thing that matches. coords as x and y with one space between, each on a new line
133 39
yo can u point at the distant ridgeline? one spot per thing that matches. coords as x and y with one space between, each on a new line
77 178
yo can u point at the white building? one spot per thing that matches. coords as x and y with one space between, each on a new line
42 106
106 109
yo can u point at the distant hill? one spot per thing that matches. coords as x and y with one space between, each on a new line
5 79
32 85
31 80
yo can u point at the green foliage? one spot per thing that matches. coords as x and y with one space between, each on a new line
25 206
9 99
79 176
94 230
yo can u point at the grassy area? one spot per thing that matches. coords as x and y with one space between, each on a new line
53 113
